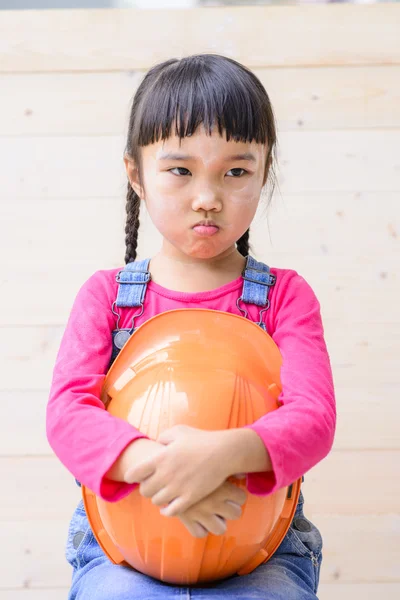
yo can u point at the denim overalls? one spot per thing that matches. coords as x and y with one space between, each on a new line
292 573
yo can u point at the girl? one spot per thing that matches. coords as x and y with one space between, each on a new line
199 152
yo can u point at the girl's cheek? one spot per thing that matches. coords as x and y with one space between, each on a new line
247 194
169 191
162 206
169 184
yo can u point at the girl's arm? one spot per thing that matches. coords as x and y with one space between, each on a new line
134 454
84 436
300 433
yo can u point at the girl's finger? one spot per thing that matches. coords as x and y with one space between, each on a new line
194 527
227 510
150 488
214 524
240 496
162 498
166 437
176 507
139 473
170 510
233 511
237 494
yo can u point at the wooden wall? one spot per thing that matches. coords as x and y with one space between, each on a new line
333 75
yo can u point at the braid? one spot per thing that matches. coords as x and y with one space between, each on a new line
243 244
132 224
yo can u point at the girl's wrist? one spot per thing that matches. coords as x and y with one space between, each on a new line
244 452
134 453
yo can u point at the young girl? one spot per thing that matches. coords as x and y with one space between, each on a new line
199 152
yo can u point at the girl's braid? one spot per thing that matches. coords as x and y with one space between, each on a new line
132 224
243 243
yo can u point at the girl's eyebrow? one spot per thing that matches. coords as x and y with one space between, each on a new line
178 156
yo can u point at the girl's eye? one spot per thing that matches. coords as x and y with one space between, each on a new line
179 169
181 172
237 172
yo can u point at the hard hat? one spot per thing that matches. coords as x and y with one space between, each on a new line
210 370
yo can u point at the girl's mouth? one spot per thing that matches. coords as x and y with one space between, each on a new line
206 228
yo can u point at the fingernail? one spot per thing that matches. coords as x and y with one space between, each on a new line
235 504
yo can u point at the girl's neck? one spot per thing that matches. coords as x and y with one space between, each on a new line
187 274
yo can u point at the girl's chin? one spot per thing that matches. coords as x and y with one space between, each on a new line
206 251
201 249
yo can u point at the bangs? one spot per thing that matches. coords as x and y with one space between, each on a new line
206 90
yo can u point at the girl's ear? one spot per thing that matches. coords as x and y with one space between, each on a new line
132 172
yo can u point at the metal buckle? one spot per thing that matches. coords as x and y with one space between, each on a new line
115 313
272 282
242 310
148 278
266 307
118 315
262 311
247 268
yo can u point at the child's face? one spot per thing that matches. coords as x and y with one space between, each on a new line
198 179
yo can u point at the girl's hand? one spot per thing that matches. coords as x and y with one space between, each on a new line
210 514
192 465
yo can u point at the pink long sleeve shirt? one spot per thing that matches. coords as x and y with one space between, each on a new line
88 440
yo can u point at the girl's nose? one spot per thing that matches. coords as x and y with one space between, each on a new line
207 199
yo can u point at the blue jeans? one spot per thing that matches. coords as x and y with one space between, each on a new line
291 574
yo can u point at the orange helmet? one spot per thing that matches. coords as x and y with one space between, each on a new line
210 370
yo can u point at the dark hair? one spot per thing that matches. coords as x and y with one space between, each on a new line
206 89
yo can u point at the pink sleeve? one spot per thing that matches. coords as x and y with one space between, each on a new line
84 436
300 433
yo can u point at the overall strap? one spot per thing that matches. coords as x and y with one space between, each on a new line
132 286
133 280
257 282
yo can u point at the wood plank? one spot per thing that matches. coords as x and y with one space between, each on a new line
53 495
92 103
363 360
59 165
98 103
379 408
27 232
352 483
24 414
352 357
309 161
338 161
28 366
356 591
23 425
39 594
323 223
80 40
33 100
34 553
360 549
43 488
334 98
